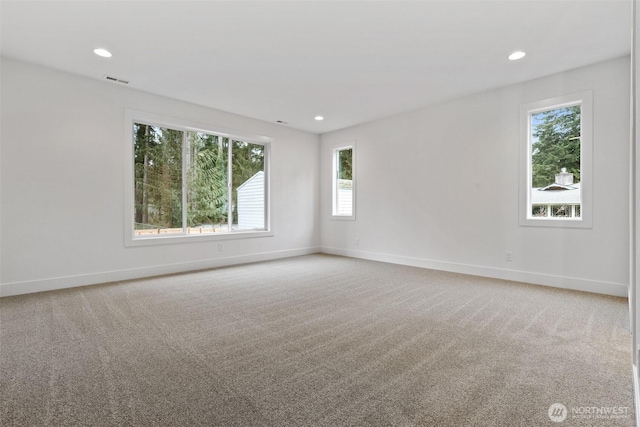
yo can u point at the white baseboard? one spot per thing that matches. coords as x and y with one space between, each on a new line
31 286
607 288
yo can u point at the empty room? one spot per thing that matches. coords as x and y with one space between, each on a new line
319 213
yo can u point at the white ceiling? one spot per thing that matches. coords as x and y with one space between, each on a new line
349 61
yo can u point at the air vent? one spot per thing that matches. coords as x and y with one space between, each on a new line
117 80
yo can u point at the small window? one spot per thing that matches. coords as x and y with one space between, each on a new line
190 183
556 157
344 182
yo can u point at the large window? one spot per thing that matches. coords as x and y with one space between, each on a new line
188 182
556 153
343 182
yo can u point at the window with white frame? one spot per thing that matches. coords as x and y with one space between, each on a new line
343 182
187 182
556 161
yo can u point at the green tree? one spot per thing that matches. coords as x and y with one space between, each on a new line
148 161
158 176
207 177
158 159
166 178
345 164
556 144
144 142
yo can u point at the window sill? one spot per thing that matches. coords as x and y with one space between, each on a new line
556 223
343 217
194 238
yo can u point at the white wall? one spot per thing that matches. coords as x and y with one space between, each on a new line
438 188
634 211
62 178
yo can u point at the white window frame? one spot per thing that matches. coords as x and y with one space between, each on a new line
137 116
585 100
334 181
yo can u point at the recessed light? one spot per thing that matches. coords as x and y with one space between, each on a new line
102 52
318 118
517 55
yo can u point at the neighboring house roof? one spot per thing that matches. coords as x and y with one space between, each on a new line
257 175
556 194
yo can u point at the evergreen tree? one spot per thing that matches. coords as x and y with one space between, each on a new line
158 176
345 164
556 144
207 178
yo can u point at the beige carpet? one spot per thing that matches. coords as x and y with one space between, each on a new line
313 341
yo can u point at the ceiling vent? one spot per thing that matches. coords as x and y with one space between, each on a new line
117 80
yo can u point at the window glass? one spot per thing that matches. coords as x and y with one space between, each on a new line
158 180
193 183
343 186
556 162
248 186
206 183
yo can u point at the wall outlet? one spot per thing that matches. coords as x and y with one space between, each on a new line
220 247
508 256
357 241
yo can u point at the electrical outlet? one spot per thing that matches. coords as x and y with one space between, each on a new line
508 256
357 241
220 247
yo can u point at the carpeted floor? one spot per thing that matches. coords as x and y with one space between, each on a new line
314 341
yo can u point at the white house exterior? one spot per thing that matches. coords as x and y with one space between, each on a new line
345 197
560 199
251 203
